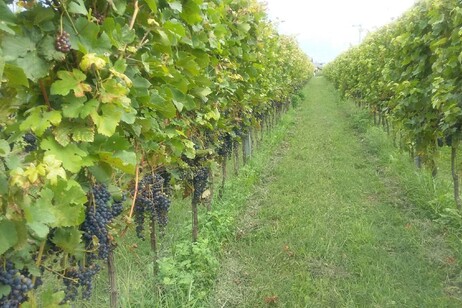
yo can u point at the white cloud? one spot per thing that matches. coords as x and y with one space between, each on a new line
325 28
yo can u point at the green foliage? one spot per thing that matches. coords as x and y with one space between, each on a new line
138 89
409 72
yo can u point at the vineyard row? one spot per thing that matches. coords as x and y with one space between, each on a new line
108 109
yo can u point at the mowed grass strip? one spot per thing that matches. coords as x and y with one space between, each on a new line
327 227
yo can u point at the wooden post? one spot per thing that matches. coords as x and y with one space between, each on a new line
154 244
455 175
195 220
223 177
236 157
113 293
246 148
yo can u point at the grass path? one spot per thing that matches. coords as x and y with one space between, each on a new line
328 228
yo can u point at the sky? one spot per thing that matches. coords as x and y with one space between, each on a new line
326 28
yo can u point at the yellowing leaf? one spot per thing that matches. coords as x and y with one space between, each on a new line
33 172
54 169
115 93
89 60
124 77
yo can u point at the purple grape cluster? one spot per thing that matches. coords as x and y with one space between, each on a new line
79 277
151 200
99 214
200 182
31 142
63 43
99 17
19 284
226 146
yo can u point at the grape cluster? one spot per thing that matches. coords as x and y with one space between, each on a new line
239 131
79 277
226 146
31 142
167 187
117 207
200 182
98 216
63 43
99 17
140 208
151 200
162 205
19 284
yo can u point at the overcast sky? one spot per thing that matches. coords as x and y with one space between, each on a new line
325 28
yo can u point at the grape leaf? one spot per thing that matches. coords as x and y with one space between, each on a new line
4 290
83 133
108 121
176 28
181 100
51 299
191 13
165 107
7 14
119 6
176 6
244 27
2 64
69 192
15 75
8 235
89 39
77 7
129 116
42 14
122 160
4 148
114 92
40 215
34 67
202 93
3 184
72 157
78 131
187 62
46 49
39 120
89 60
152 5
68 215
123 36
54 169
62 134
70 81
78 107
102 172
15 47
69 240
112 144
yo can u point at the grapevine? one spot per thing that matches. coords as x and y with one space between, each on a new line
99 90
408 75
